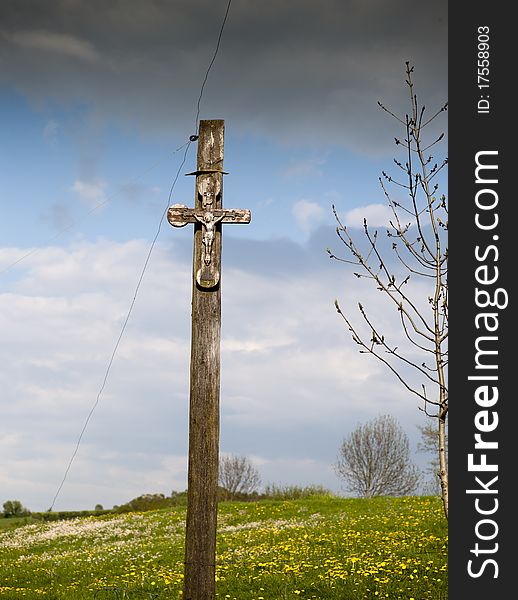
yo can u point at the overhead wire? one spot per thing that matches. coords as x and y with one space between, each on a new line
187 145
123 329
210 65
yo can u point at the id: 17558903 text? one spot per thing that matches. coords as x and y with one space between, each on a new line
483 69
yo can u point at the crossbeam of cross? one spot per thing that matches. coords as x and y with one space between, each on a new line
208 217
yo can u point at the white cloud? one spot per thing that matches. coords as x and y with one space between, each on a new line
377 215
309 167
308 215
90 192
50 131
59 43
294 471
293 384
263 203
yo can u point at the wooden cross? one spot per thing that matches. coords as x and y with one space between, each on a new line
202 488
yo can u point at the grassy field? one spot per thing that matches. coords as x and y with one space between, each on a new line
12 523
317 548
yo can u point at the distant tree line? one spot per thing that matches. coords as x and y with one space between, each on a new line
373 460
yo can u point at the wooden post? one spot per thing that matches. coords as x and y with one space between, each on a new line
202 491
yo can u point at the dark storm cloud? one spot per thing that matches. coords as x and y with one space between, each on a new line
298 71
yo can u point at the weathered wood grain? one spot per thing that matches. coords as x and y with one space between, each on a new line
207 217
202 506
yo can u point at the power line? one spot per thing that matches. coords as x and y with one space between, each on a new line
192 138
210 65
116 347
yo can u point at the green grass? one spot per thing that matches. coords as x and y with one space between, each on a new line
313 548
14 522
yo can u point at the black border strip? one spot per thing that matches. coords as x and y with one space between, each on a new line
471 130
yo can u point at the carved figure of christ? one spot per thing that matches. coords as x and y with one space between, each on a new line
208 220
180 215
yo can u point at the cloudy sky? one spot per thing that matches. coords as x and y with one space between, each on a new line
97 103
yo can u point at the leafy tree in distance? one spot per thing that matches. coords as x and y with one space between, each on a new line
410 269
429 444
237 475
14 508
374 460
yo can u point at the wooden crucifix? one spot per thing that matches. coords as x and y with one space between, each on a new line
202 489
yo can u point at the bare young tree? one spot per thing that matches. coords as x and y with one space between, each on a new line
237 475
418 252
374 460
429 444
